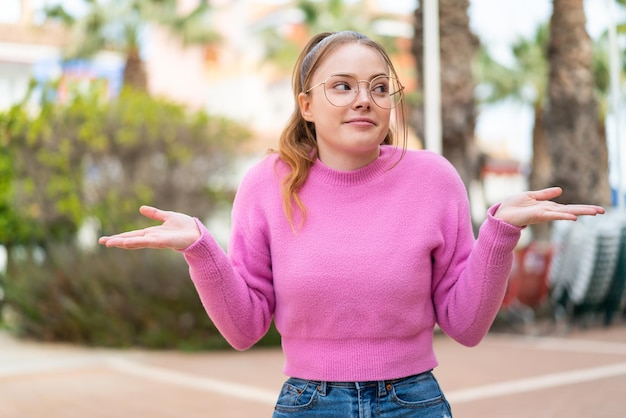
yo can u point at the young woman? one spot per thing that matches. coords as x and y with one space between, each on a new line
355 247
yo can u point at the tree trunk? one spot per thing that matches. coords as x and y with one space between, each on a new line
540 169
458 46
135 72
579 155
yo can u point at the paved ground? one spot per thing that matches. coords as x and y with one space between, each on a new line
579 374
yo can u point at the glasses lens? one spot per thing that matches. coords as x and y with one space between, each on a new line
341 90
385 91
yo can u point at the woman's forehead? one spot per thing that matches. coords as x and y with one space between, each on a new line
353 58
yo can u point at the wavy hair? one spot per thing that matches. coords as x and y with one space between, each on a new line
297 145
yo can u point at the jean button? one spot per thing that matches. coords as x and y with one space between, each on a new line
389 386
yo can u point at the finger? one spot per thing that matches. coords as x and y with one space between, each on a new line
153 213
582 209
131 243
128 234
127 244
569 212
558 216
115 240
546 194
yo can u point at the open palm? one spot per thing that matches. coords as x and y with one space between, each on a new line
177 231
534 207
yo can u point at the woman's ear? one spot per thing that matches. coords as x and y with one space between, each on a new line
304 102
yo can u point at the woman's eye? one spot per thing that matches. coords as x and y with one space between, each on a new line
343 86
380 88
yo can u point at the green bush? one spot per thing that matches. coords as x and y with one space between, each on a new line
110 298
90 157
94 160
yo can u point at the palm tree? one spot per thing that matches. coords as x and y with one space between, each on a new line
334 15
458 47
119 25
621 26
578 152
525 81
601 72
317 17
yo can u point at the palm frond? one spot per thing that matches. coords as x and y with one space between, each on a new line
59 13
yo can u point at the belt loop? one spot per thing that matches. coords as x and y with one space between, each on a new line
321 388
382 387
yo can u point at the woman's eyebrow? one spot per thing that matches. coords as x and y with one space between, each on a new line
355 76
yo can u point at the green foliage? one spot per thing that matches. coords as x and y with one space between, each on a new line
91 160
110 298
94 158
324 16
525 81
119 24
14 225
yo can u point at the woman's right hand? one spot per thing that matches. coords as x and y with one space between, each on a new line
177 231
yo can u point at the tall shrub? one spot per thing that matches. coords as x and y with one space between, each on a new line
111 298
92 159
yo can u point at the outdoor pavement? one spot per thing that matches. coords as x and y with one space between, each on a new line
580 373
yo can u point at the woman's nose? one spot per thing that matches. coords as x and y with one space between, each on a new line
363 96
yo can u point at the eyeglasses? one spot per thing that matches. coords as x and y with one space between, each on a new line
341 90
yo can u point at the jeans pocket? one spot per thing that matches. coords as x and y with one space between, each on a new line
418 392
297 395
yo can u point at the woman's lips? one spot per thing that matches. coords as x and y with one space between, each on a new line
361 122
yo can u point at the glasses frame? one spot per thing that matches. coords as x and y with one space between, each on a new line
358 84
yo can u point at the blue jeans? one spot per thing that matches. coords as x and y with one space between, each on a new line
416 396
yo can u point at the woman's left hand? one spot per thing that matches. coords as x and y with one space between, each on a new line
534 207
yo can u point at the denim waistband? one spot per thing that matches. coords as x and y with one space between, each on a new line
383 386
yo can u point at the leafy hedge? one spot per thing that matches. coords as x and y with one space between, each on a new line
112 298
94 160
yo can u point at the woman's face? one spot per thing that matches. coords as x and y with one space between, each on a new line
348 137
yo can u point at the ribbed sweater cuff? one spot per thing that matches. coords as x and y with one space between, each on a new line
502 236
205 255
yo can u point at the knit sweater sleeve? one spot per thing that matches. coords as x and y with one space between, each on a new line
470 275
236 288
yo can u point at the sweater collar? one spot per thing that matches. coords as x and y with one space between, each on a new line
389 155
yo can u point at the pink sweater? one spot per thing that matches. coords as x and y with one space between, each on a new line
384 254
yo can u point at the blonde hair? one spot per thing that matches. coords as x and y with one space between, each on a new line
297 144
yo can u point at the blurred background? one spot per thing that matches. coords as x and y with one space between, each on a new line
107 105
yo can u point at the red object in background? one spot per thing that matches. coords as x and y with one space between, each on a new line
528 281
